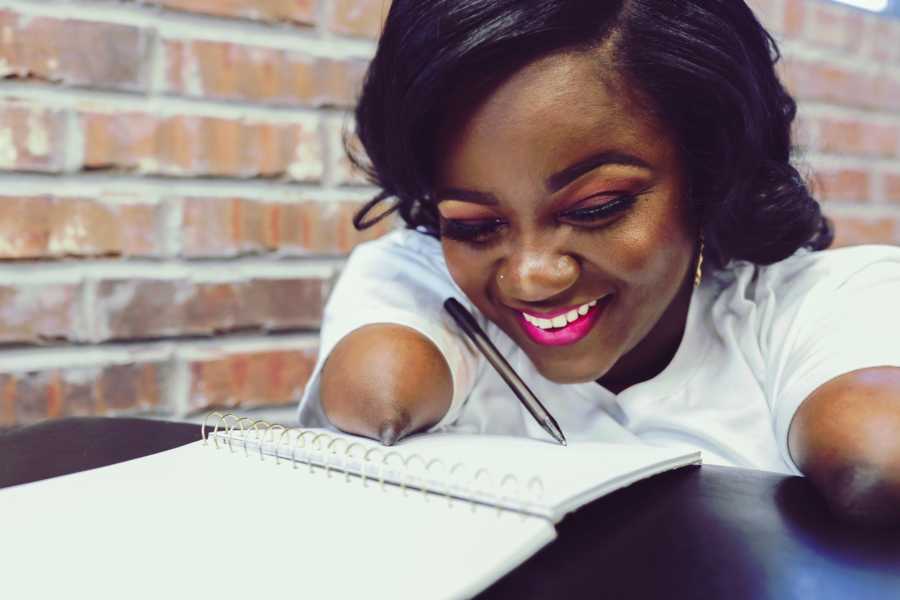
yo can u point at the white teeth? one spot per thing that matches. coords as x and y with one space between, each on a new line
560 320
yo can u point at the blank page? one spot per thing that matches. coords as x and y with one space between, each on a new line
197 522
571 475
492 470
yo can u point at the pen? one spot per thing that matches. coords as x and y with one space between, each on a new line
467 323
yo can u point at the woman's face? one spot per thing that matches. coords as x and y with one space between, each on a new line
565 221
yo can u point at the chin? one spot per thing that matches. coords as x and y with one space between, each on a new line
569 372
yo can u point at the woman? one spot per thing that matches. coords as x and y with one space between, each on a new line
609 185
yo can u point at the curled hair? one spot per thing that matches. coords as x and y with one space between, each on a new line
707 67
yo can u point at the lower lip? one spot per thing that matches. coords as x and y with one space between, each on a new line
571 333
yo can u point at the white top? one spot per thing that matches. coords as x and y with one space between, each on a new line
758 341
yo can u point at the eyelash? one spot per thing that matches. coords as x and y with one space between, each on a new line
483 232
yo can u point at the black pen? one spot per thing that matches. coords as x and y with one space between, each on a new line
470 326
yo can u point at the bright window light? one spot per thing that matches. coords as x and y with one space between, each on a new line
873 5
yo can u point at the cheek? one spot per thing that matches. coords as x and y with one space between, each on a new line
468 269
654 250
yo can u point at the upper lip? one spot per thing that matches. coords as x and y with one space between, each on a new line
557 311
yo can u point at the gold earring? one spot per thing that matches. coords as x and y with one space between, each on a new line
698 273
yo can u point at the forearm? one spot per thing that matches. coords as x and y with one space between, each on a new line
385 382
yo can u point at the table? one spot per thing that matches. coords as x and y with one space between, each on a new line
701 532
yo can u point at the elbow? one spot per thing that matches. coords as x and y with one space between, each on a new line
864 493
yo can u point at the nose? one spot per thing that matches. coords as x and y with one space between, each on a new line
537 274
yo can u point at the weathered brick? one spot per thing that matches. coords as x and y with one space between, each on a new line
202 146
891 186
834 26
58 227
34 396
129 387
794 17
837 84
852 230
857 137
843 184
152 308
296 11
227 71
877 30
74 52
31 138
359 17
250 379
35 313
140 308
275 304
221 227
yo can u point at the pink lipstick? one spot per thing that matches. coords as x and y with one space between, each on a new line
568 334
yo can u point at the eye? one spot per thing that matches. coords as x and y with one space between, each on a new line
471 231
600 212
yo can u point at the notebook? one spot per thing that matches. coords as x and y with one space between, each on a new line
257 509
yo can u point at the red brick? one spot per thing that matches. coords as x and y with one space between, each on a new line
359 17
150 308
876 30
891 187
795 17
221 227
843 184
276 304
202 146
31 139
852 231
271 378
56 227
140 308
296 11
36 313
226 71
73 52
853 136
30 397
834 26
129 388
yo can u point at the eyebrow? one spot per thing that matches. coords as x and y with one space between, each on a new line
555 182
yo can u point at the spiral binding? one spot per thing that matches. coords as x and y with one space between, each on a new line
329 452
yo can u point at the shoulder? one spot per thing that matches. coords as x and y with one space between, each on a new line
808 274
401 247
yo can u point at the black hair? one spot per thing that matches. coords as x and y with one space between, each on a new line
707 66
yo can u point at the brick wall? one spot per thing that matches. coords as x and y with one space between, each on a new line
175 204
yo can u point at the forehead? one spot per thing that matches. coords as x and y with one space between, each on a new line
546 114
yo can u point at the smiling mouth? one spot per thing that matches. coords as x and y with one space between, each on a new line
565 328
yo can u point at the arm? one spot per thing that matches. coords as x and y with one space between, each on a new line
385 381
846 438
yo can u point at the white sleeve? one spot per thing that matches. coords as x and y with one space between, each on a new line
841 325
400 279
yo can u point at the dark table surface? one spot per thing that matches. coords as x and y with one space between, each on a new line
701 532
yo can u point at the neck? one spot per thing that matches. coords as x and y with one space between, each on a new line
654 353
